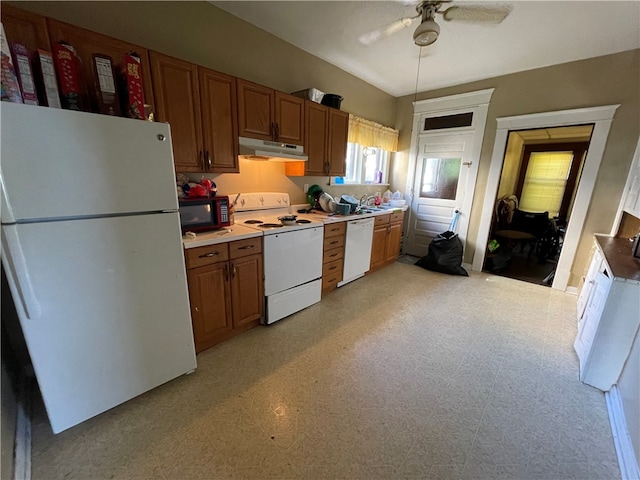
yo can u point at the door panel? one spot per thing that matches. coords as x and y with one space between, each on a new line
109 312
441 181
175 83
247 289
255 110
289 118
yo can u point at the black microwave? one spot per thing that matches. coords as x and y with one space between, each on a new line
202 214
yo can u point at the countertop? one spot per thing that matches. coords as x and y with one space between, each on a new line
328 218
617 254
227 234
240 232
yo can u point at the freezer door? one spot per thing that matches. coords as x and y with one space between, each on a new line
60 164
104 309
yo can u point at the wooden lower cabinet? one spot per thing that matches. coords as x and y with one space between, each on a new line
387 239
333 255
225 290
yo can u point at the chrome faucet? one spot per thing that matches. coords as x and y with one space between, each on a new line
367 199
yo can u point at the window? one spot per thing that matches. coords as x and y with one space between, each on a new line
440 177
365 165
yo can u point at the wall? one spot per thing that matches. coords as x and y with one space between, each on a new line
629 388
606 80
206 35
511 166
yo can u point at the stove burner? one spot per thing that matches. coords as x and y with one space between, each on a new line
250 222
304 220
271 225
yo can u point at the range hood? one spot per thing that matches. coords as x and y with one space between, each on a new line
253 149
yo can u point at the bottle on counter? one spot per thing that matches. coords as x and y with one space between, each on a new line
378 199
386 198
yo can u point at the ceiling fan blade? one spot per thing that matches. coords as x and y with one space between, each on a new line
477 13
380 33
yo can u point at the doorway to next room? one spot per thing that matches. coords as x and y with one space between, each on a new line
538 184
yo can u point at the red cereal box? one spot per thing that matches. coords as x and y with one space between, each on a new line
9 86
131 90
68 69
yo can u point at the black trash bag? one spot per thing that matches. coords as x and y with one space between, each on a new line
445 255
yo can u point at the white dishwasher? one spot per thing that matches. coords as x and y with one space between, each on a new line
357 249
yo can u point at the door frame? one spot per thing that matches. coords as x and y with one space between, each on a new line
601 117
476 102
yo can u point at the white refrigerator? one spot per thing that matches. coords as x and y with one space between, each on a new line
91 247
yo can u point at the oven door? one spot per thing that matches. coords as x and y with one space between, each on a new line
292 259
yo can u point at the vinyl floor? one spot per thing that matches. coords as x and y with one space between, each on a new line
404 373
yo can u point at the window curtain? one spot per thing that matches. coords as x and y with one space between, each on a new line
372 134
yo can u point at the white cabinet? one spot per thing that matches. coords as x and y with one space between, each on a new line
608 319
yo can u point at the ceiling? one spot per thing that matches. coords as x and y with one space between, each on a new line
534 35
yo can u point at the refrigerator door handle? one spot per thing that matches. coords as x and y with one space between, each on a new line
14 262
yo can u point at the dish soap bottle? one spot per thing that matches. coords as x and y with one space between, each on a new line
378 199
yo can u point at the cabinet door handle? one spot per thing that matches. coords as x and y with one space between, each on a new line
333 268
333 255
208 159
209 255
226 272
273 131
247 247
201 158
333 280
334 242
233 271
277 131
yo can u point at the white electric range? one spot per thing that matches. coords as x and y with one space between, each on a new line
292 253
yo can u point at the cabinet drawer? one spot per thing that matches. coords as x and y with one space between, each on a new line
397 217
333 255
330 281
381 219
199 256
333 242
242 248
332 268
335 229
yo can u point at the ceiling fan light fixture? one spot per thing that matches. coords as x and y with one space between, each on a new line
426 33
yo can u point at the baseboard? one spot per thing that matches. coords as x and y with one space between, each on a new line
621 438
572 290
22 449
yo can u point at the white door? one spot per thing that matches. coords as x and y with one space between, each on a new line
103 306
442 178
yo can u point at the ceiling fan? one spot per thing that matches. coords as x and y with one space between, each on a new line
428 30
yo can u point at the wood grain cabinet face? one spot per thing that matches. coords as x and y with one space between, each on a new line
316 129
289 118
267 114
29 29
337 142
247 290
255 110
219 121
333 256
226 290
200 105
210 298
387 239
175 83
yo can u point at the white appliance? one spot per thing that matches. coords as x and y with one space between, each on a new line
357 249
292 253
91 246
254 149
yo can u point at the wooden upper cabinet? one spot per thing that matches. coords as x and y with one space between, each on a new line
27 28
316 129
337 141
255 110
175 83
86 43
289 116
219 120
